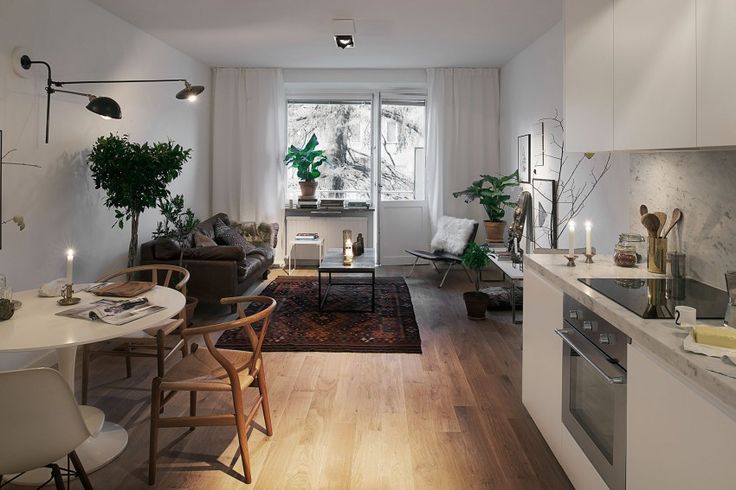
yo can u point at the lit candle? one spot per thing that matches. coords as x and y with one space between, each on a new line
571 238
69 265
588 238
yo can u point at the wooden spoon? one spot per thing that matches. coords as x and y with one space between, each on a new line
651 223
676 218
643 209
662 220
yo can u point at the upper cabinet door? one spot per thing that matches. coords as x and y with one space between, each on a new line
654 74
716 72
588 75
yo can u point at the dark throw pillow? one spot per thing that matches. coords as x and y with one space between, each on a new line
225 235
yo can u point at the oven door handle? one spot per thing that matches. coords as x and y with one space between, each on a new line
610 372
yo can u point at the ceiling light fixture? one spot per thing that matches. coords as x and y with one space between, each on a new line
105 107
343 31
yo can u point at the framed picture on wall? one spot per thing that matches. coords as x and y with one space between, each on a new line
524 157
537 146
544 204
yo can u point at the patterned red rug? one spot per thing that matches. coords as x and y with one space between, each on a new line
297 325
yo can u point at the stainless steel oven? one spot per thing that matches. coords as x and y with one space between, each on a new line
594 390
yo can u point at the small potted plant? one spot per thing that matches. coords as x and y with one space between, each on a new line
491 192
305 161
476 258
178 225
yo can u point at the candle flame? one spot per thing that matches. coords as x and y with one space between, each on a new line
70 253
572 226
588 225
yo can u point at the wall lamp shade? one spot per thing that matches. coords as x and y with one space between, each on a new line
189 92
103 106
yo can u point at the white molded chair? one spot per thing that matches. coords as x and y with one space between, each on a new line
40 423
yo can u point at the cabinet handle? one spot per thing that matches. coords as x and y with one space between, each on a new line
588 354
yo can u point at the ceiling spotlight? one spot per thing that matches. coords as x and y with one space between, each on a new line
344 32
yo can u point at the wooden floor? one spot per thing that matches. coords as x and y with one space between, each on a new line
449 418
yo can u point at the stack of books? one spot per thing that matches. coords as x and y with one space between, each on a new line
332 203
307 236
307 203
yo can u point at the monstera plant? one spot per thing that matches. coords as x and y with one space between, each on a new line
492 193
306 162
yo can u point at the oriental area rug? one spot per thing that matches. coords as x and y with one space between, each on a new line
298 325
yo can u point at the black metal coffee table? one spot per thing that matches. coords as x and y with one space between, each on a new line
332 264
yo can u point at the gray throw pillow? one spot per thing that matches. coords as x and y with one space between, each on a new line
202 240
225 235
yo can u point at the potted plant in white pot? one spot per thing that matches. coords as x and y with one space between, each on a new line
306 161
491 192
178 224
476 259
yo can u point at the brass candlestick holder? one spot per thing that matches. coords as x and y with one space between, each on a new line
589 258
67 296
571 260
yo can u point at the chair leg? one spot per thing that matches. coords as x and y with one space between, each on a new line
160 357
449 268
56 476
153 438
412 268
128 366
85 373
434 264
242 430
261 380
81 472
192 405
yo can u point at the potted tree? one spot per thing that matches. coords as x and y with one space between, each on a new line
305 161
135 177
491 192
476 258
178 224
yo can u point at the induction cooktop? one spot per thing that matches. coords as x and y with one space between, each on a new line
656 298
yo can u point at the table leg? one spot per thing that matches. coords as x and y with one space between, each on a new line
319 289
373 291
67 359
513 303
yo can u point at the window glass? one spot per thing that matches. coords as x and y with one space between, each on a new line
402 150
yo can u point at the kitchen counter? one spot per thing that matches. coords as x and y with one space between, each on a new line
659 337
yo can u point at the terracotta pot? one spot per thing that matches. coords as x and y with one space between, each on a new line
308 188
476 304
189 308
495 230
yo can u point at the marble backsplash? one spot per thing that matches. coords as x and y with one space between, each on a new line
703 185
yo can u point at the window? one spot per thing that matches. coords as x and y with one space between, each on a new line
344 129
402 150
344 132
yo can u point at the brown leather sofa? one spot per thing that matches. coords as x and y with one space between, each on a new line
218 271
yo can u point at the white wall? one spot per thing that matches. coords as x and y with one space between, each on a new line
61 207
532 88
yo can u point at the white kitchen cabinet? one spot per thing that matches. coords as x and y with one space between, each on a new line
654 83
716 72
588 75
676 438
541 376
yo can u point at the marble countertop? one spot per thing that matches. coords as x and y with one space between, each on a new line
659 337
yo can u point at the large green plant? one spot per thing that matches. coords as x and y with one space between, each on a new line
306 160
178 222
491 192
134 176
476 258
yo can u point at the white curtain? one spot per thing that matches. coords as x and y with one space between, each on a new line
248 143
462 136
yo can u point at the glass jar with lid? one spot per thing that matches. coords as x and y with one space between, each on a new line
634 240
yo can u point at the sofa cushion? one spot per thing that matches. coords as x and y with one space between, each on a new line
259 234
219 252
166 249
225 235
263 251
202 240
207 227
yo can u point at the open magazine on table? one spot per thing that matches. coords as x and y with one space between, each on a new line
113 311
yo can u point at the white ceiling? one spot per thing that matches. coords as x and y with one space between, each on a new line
389 33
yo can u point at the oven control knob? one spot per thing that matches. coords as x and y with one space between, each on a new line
607 338
588 326
574 314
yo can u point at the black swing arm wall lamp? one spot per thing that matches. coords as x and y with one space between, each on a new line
105 107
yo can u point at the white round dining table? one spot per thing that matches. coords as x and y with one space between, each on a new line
35 326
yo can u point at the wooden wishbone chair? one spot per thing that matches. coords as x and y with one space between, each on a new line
216 369
150 342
